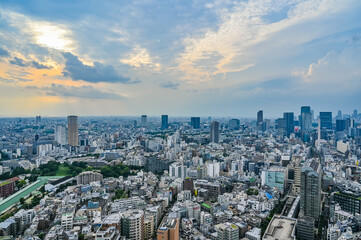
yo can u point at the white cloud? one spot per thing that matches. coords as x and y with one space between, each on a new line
43 33
140 58
243 28
335 71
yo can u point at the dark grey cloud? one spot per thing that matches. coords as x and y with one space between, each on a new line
79 92
97 73
169 84
23 63
4 52
18 61
38 65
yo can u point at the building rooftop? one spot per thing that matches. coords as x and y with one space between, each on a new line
281 228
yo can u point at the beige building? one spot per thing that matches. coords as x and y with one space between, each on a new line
169 229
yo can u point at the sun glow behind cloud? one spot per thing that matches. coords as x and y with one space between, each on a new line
52 36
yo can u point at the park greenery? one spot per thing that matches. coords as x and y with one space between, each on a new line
118 170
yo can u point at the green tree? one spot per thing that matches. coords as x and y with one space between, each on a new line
21 184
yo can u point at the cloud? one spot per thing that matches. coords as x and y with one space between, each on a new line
248 31
79 92
22 63
139 58
334 71
18 61
4 52
169 84
96 73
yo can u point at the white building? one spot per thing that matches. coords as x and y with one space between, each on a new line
213 169
178 170
60 135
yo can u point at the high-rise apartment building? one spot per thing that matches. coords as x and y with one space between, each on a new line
326 120
87 177
133 224
196 122
73 131
60 135
215 132
311 174
164 122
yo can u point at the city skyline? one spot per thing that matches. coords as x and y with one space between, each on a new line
187 58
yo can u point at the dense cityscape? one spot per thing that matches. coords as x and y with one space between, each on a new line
294 177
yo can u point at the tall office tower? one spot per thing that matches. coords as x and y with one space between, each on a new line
38 119
306 118
259 116
60 135
340 125
311 189
133 224
289 120
306 122
260 121
354 115
73 131
339 115
164 121
196 122
144 121
326 120
305 228
350 123
234 124
215 132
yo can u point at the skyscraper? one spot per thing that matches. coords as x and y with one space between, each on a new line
73 131
311 189
326 120
60 135
164 121
259 116
260 121
340 125
144 121
215 132
289 121
196 122
306 119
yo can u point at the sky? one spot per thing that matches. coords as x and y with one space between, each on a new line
182 58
